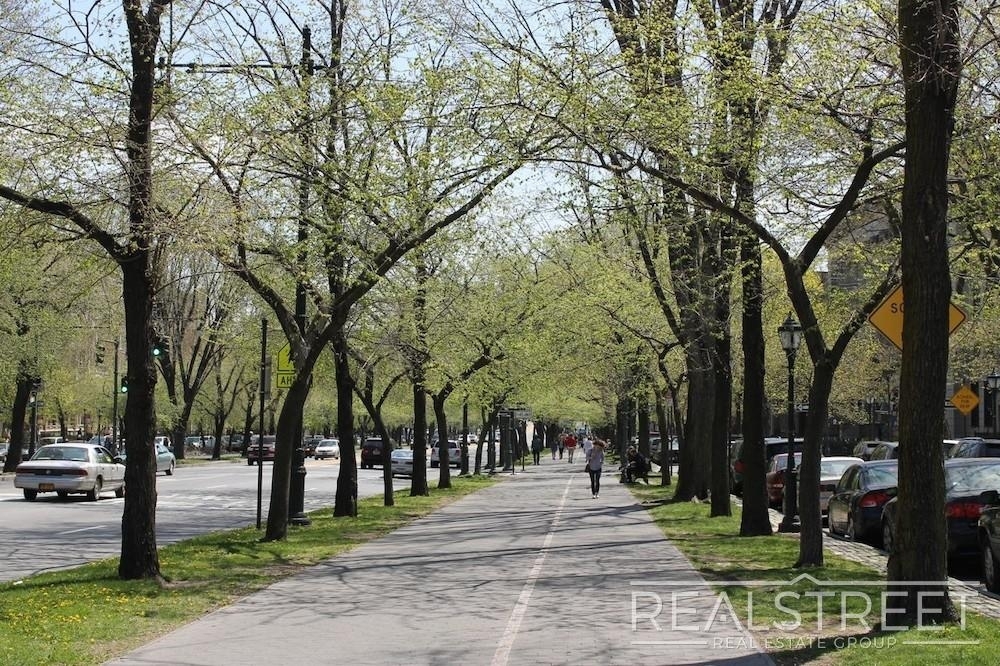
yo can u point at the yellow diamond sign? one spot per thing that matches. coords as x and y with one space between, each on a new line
965 400
888 318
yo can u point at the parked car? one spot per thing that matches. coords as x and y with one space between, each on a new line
4 446
772 447
864 449
371 452
976 447
327 448
989 540
885 451
967 482
309 445
656 448
831 470
165 460
454 454
70 467
855 507
200 442
254 449
774 478
401 462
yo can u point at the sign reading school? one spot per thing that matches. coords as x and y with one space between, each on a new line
888 317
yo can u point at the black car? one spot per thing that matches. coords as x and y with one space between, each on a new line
885 451
967 482
371 452
855 508
989 540
976 447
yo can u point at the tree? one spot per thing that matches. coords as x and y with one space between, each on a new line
932 65
135 254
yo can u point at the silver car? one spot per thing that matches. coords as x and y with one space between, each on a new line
166 462
401 462
327 448
454 454
70 467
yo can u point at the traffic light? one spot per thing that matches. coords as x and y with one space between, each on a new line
99 354
158 350
124 387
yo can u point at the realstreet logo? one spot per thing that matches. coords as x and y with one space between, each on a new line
696 615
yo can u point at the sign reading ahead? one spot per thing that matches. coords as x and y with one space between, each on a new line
965 400
285 372
888 317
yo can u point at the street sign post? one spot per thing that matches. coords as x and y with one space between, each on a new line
888 317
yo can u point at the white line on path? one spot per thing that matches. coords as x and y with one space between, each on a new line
82 529
502 654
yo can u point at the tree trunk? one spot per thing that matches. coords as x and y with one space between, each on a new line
755 519
139 556
810 517
284 449
444 455
346 499
695 451
22 393
931 64
721 506
419 486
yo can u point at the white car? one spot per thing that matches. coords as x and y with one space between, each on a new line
327 448
401 462
70 467
454 454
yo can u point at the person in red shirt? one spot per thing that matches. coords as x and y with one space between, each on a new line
570 444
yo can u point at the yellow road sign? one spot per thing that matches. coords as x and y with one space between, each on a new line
965 400
285 365
284 380
888 317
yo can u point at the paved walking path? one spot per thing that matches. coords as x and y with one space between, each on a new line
532 570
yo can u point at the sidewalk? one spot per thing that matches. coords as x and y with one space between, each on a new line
532 570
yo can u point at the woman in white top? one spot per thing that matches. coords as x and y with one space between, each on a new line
595 461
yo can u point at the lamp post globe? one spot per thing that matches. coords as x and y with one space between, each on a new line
790 335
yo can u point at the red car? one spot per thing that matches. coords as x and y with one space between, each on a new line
775 478
253 450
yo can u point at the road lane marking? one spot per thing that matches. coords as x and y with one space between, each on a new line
502 654
82 529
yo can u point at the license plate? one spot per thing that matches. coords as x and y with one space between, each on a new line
46 487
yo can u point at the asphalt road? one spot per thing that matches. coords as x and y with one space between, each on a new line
51 534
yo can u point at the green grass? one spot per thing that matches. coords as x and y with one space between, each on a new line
87 615
712 546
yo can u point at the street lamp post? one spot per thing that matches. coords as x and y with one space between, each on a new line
790 334
993 381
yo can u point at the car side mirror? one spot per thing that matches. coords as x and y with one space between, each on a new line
120 460
989 497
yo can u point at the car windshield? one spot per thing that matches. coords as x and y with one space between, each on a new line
883 475
329 442
402 453
828 468
75 453
964 478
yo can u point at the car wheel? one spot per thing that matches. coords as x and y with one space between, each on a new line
991 574
95 493
170 469
120 491
30 495
62 494
249 463
434 464
852 530
886 536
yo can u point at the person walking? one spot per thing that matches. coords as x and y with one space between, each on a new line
554 446
570 445
586 444
536 447
595 461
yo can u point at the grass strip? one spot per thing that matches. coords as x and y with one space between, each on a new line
839 626
86 615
